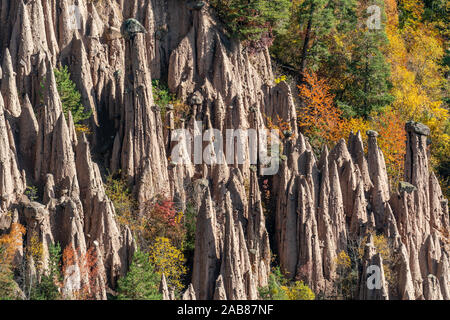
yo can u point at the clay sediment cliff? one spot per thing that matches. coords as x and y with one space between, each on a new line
323 204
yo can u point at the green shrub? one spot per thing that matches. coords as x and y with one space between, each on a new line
279 288
253 21
48 288
7 284
162 96
117 190
141 281
32 193
190 224
274 290
161 93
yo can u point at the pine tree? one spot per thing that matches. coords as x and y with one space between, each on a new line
70 96
141 281
314 26
7 284
253 21
367 86
9 243
48 288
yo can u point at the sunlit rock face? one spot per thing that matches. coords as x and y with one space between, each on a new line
322 204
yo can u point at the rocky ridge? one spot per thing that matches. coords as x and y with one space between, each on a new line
323 204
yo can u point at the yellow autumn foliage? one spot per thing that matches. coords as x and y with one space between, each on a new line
415 54
36 249
298 291
168 260
382 247
280 79
342 260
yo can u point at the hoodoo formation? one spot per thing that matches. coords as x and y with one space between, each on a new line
59 175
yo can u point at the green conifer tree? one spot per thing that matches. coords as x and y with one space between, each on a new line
70 96
141 281
252 20
48 288
367 84
7 284
313 24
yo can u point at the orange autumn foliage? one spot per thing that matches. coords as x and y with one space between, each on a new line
283 127
392 141
322 120
319 116
9 243
390 126
88 267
